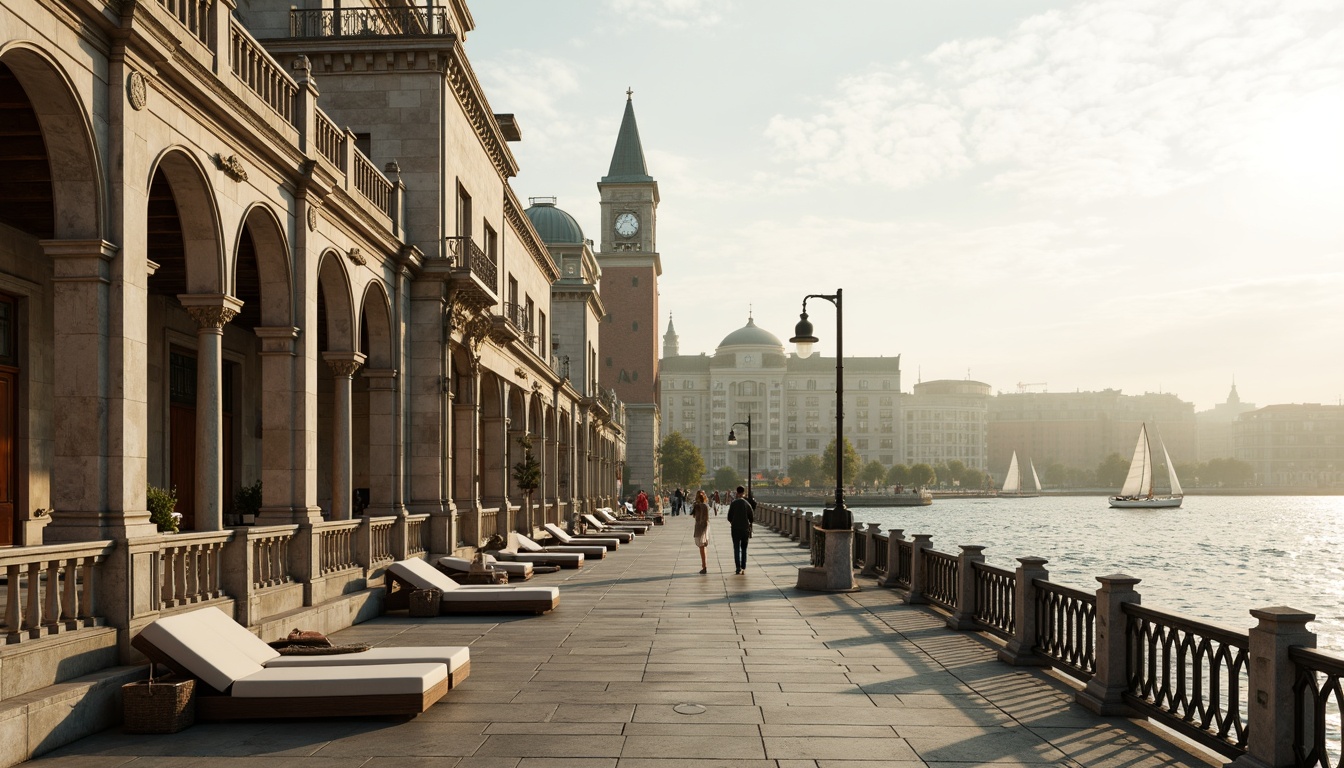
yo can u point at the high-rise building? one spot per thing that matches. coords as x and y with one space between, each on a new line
947 420
628 255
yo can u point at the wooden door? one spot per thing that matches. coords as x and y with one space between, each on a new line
8 519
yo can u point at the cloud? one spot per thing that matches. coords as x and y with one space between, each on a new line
1106 99
670 14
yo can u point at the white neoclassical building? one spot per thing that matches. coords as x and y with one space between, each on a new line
261 242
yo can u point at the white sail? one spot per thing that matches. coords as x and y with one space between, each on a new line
1171 473
1139 481
1012 482
1034 477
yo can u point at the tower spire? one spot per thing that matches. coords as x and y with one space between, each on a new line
671 344
627 162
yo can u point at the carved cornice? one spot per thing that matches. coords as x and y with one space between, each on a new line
463 83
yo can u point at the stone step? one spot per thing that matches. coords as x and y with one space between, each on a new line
35 664
39 721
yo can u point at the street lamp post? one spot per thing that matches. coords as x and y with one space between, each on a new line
839 516
732 440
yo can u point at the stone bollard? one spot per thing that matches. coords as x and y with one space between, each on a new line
796 525
805 538
1270 736
964 616
1020 649
894 537
921 542
1104 694
870 550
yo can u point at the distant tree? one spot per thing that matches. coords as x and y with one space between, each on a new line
898 475
973 478
1193 474
1228 473
873 473
681 461
1080 478
727 478
941 474
922 474
806 470
956 471
1111 471
1055 474
852 462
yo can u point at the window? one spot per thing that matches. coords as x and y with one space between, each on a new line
862 402
884 400
813 443
463 212
634 282
688 384
529 313
364 143
541 333
8 348
490 243
862 444
513 293
634 326
608 362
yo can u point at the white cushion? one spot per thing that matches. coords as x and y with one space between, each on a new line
463 564
201 649
500 593
238 635
545 557
561 536
338 681
528 545
422 575
452 656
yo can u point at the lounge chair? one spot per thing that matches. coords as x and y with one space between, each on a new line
243 677
404 576
606 529
513 553
598 528
589 551
604 515
520 571
558 533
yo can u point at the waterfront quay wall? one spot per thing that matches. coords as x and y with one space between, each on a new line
1264 697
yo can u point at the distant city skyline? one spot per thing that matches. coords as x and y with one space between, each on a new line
1138 195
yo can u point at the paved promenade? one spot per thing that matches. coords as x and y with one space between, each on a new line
785 679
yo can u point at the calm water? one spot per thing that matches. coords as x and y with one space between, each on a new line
1214 558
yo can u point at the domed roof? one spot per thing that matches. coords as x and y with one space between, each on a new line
553 224
751 335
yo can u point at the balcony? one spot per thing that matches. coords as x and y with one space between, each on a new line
511 325
308 24
468 270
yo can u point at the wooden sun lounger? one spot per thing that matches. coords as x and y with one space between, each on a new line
558 533
589 551
518 571
405 576
612 529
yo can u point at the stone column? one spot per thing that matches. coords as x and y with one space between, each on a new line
1269 740
343 366
211 313
382 441
837 574
1020 650
282 437
894 538
1104 694
964 616
426 400
917 577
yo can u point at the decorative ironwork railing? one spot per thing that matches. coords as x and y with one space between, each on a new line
1066 621
260 73
270 555
903 559
194 15
329 139
368 22
466 253
513 312
189 568
1188 675
380 540
372 184
817 548
940 585
1318 696
880 545
50 587
417 534
994 598
860 550
337 546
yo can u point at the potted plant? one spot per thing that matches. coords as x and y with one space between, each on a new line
527 474
162 506
247 503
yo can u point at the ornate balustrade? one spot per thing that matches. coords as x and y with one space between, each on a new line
193 14
381 550
489 524
368 22
1188 675
337 546
189 568
903 560
880 548
50 588
417 534
372 184
1066 621
466 254
940 579
994 590
271 546
329 139
1318 697
261 73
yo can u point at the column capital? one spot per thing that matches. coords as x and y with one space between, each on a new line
343 363
79 260
210 310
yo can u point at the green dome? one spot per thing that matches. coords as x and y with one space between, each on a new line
553 224
751 335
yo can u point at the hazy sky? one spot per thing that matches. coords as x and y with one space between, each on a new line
1140 194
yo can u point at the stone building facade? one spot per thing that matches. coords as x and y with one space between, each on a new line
273 244
1293 445
1217 427
947 420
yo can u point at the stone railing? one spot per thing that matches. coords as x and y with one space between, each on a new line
337 550
489 523
1318 696
50 588
328 139
994 592
193 14
271 546
261 73
1066 622
381 549
189 568
372 184
940 587
417 534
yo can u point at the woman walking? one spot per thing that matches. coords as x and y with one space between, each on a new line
700 511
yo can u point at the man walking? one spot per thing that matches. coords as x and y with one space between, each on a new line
740 518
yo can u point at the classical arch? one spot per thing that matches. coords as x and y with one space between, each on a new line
336 315
184 224
375 326
374 407
261 275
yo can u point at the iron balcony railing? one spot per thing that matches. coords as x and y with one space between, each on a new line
468 255
368 22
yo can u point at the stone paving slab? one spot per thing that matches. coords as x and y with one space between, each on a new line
787 680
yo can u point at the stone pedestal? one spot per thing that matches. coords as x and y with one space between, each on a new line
837 575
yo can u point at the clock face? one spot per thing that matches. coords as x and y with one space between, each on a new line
627 224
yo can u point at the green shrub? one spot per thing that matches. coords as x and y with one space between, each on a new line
161 504
247 501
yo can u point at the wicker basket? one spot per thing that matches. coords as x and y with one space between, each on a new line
166 705
424 603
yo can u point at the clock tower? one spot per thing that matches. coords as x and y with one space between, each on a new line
628 338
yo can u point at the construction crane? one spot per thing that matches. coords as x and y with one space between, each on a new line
1023 386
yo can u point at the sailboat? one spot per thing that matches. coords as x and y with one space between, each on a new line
1137 492
1012 482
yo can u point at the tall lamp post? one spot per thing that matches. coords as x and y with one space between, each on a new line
838 517
732 440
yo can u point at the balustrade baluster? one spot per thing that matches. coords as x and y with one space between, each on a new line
33 618
53 601
12 602
69 607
